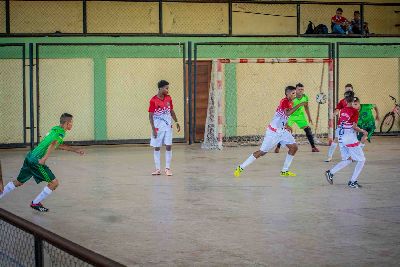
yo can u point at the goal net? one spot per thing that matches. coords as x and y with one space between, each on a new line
244 94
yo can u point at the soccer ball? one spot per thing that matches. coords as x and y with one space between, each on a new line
321 98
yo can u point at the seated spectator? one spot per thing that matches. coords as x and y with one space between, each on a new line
356 24
339 23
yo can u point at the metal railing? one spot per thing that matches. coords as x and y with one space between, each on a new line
26 244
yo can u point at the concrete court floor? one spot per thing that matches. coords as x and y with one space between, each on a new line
108 202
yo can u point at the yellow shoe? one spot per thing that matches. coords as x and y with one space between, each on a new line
288 173
238 171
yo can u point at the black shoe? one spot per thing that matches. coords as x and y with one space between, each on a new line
329 176
353 184
39 207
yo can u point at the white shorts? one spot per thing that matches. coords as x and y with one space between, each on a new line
350 146
356 153
163 137
271 139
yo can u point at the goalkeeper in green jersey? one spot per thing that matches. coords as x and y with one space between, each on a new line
35 163
366 119
299 117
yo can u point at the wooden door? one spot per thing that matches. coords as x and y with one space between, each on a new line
202 88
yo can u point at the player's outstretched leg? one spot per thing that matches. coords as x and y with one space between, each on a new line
310 138
331 150
10 187
248 161
168 157
157 161
47 190
288 161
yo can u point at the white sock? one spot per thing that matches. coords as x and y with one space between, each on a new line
287 163
248 161
157 156
7 189
357 170
45 193
332 149
340 166
168 157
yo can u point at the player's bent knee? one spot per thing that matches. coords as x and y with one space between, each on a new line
292 149
168 148
259 153
53 184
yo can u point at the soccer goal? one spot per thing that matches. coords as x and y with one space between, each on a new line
244 94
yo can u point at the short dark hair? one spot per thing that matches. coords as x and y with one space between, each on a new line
299 85
339 9
349 96
162 83
356 12
289 89
349 85
65 117
356 99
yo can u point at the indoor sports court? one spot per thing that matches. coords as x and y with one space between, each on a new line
107 201
114 80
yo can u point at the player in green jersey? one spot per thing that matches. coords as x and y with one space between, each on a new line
35 163
366 119
299 117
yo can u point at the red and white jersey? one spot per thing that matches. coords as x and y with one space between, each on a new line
347 117
162 112
342 104
280 118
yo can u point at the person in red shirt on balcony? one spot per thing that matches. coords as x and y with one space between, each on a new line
339 23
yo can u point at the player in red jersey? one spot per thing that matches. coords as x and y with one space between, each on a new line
161 113
350 147
277 133
342 104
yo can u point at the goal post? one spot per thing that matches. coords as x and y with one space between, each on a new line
255 93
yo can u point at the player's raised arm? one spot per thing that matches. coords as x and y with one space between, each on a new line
289 111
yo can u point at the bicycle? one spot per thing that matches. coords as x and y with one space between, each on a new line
388 121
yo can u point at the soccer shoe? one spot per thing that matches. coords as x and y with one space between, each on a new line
39 207
353 184
238 171
288 173
314 149
277 149
168 172
329 176
328 159
156 172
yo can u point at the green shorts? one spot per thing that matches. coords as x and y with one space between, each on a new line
31 167
300 121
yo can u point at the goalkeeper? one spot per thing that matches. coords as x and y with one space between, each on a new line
299 117
366 119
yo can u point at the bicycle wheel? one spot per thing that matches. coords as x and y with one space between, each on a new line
387 122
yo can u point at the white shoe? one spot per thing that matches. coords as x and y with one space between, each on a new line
328 160
156 172
168 172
